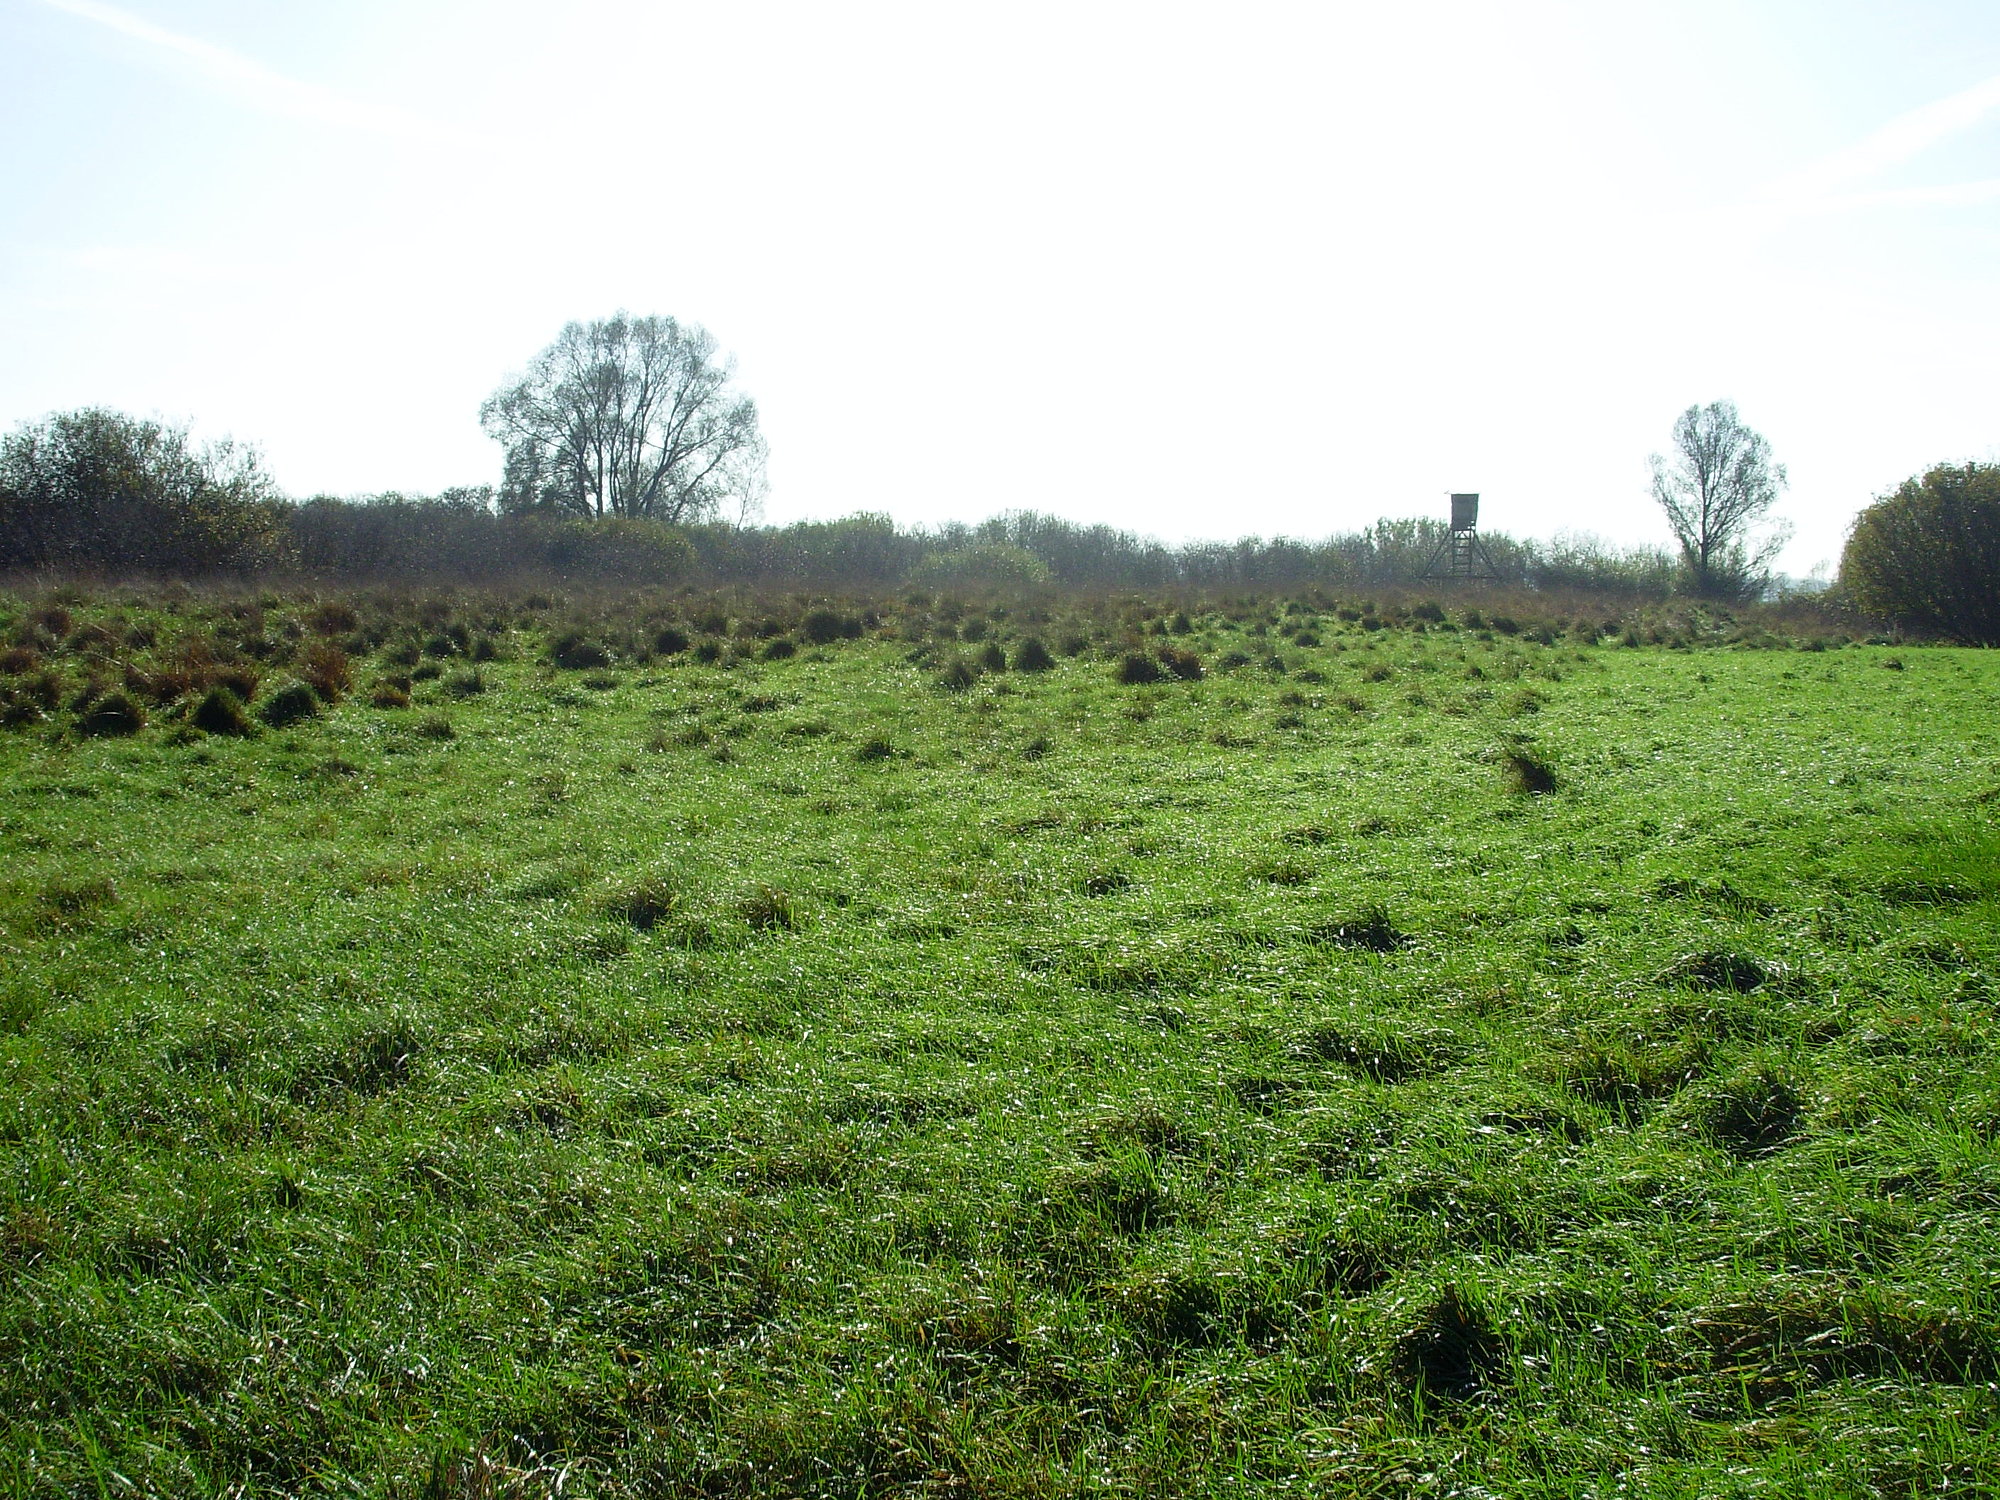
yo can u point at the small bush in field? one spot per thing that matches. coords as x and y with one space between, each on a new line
435 727
667 641
390 692
221 712
291 702
1183 664
113 715
465 682
779 649
958 675
993 658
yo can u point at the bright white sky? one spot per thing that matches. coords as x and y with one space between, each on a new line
1198 271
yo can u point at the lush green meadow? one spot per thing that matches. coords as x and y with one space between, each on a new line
664 1045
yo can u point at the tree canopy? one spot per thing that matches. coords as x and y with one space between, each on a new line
628 417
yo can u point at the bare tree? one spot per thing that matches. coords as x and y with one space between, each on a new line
1718 485
629 417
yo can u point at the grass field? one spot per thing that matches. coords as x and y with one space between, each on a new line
1392 1054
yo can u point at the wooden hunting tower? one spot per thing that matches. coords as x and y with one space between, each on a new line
1461 554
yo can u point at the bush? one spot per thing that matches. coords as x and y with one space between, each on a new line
1928 556
98 489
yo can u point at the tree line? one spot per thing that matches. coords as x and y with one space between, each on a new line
102 493
627 449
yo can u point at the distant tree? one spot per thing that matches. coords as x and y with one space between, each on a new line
1928 555
99 490
628 417
1718 485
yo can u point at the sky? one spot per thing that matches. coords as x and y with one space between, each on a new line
1194 271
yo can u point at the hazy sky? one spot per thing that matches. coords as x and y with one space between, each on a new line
1193 270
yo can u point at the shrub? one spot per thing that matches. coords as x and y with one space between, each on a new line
958 675
779 649
667 641
221 712
96 488
1928 556
993 658
390 692
291 702
435 727
465 682
1183 664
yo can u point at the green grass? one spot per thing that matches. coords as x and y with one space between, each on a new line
1457 1064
